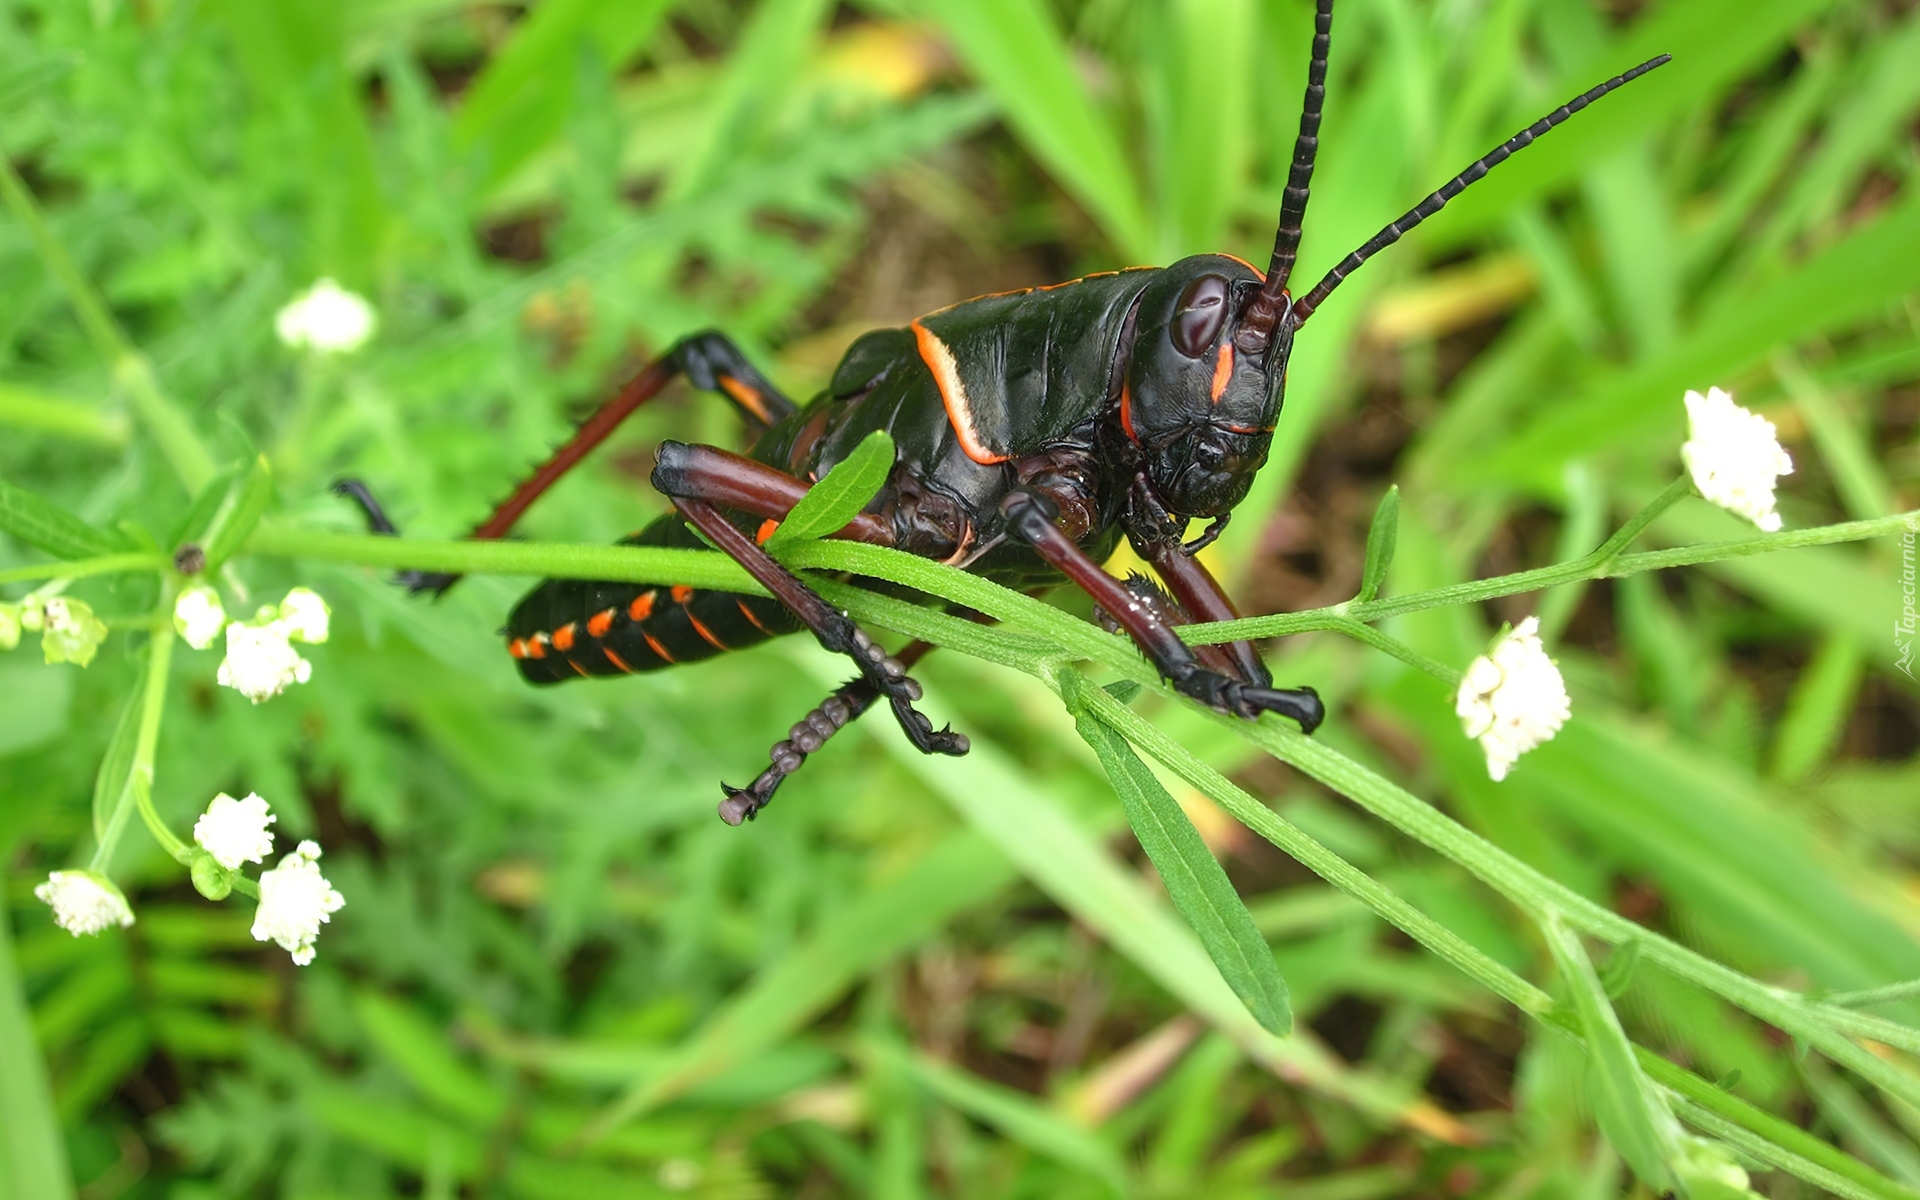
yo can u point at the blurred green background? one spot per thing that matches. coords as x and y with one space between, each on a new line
859 994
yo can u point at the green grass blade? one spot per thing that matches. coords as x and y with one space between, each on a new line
418 1048
957 874
1018 52
33 1155
1713 43
1195 881
1199 64
1818 708
760 73
1624 1101
841 493
1859 277
1013 1113
519 103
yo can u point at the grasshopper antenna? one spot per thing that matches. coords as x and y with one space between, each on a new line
1305 306
1256 326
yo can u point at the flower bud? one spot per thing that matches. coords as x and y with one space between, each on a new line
210 879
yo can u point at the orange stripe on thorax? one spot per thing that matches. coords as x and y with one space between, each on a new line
953 394
1222 370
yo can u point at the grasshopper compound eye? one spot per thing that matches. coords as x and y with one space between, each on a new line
1197 318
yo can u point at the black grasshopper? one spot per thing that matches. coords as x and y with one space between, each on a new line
1033 430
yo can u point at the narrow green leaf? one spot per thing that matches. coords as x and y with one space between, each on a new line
1195 881
840 494
33 1155
1624 1101
239 513
110 782
1382 539
39 522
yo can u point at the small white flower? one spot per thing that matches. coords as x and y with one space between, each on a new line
9 625
1512 698
304 616
199 617
1734 457
295 901
69 631
260 662
235 831
84 902
327 319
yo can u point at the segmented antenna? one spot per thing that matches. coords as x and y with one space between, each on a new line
1256 327
1305 306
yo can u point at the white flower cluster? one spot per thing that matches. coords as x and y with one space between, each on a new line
261 661
295 901
83 902
69 632
1512 698
295 898
1734 456
235 831
326 319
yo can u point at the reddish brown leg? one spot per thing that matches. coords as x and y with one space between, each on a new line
708 360
679 474
810 733
719 477
1201 595
1030 517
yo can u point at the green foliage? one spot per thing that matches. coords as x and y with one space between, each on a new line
47 526
841 493
558 975
1194 880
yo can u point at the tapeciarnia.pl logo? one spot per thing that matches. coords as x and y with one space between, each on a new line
1903 627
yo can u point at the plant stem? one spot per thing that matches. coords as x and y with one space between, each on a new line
1316 857
627 564
1879 995
131 370
1389 644
1623 537
137 792
1541 897
1592 566
79 568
